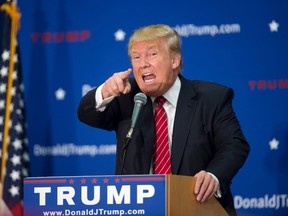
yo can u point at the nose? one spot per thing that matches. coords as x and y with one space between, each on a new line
144 62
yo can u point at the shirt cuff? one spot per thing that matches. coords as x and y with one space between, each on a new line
100 102
218 193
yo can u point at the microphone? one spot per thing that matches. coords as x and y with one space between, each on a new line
140 100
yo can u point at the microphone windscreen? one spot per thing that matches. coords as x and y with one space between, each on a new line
140 97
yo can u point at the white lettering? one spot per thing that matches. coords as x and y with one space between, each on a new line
144 191
91 195
42 194
125 193
65 193
84 195
274 201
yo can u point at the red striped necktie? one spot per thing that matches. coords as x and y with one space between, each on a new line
161 158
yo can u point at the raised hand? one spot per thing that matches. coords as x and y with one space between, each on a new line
117 84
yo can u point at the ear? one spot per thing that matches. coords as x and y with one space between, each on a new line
176 60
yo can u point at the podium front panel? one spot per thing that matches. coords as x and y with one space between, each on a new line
95 195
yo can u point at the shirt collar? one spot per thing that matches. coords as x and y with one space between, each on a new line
173 93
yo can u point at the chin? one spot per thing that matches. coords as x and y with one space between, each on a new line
146 91
149 89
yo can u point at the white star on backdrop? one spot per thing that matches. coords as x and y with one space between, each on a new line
4 71
3 87
2 104
274 26
25 171
26 156
15 175
16 160
14 190
119 35
273 144
17 144
60 94
5 55
18 127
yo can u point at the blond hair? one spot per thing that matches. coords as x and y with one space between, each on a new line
155 32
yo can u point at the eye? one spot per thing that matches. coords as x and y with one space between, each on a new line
152 54
135 57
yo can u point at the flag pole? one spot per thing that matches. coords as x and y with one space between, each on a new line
12 10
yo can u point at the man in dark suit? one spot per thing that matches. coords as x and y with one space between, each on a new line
205 138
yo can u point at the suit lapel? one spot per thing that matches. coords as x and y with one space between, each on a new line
185 112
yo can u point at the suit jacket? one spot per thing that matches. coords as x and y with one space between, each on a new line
206 135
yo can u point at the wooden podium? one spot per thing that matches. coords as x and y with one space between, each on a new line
149 195
181 200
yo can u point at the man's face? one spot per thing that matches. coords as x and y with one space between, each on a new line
154 68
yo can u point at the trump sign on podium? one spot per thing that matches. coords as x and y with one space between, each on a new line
95 195
115 195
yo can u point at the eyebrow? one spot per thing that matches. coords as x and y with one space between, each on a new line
147 49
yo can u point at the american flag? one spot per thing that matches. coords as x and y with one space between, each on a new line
14 145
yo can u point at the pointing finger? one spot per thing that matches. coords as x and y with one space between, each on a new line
125 74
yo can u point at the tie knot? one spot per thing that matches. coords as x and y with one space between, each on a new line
160 100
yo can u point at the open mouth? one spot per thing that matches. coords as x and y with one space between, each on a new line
148 77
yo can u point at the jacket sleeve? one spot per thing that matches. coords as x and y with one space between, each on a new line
231 147
88 114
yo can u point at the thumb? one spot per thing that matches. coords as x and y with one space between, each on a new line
127 88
